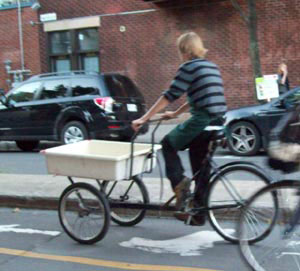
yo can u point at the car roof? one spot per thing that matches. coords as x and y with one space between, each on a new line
67 74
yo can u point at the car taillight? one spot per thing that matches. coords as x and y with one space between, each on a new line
105 103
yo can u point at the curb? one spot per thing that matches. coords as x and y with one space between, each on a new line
52 203
39 203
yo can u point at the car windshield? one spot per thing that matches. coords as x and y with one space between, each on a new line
289 98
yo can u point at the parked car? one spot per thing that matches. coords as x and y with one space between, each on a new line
69 107
249 127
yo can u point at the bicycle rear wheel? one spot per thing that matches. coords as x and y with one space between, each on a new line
84 213
228 193
126 192
280 249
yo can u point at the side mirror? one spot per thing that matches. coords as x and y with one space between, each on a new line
280 103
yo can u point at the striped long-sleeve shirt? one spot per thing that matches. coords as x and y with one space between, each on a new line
202 81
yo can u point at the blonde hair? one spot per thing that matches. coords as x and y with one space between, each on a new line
281 67
191 45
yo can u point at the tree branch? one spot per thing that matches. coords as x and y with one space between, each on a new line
239 9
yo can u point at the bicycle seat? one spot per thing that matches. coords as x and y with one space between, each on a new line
216 132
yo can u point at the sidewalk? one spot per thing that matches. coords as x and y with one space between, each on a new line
43 191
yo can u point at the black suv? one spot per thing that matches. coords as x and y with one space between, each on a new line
69 107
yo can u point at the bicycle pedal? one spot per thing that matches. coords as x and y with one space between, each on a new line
188 221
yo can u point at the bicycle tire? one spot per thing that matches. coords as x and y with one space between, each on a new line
84 213
280 249
138 193
246 179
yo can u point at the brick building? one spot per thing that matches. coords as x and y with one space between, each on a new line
137 38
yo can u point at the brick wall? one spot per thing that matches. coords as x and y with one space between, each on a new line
10 42
146 50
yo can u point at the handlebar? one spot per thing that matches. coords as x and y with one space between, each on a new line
158 120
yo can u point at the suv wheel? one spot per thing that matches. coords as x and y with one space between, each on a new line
27 145
244 139
73 131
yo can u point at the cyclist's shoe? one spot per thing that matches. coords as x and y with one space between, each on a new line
182 216
195 220
181 191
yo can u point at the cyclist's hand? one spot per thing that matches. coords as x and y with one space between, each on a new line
137 124
168 115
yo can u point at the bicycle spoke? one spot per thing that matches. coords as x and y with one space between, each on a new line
280 249
251 224
84 213
127 192
228 194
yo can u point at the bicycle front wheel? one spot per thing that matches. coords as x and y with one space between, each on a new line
84 213
280 249
121 194
228 193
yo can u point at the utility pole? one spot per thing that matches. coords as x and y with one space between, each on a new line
250 21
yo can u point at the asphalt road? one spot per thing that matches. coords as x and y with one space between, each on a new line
34 240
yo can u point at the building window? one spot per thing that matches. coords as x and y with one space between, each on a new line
74 50
88 39
60 42
61 64
89 62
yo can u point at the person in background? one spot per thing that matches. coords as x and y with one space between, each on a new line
201 81
283 81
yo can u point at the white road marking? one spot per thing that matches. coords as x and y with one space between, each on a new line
189 245
13 228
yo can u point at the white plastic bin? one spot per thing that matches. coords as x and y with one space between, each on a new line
98 159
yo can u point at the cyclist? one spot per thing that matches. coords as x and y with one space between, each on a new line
202 83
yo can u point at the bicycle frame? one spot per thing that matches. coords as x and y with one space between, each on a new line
216 171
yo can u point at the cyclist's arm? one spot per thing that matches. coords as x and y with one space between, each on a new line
176 113
178 87
182 109
160 104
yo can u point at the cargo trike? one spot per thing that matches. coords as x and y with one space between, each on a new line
119 194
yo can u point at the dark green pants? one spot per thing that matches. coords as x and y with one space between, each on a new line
197 152
197 143
188 135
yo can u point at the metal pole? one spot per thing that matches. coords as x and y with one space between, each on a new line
20 35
